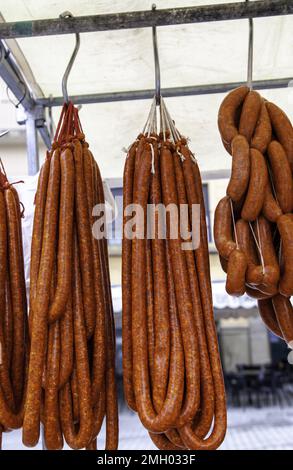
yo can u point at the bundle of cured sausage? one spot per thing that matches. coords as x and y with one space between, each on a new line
171 364
253 227
71 377
13 305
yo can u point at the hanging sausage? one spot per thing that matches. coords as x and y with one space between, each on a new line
253 227
13 304
71 377
171 365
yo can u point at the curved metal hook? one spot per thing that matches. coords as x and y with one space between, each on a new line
250 53
67 14
157 63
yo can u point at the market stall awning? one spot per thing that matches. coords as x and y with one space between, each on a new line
111 61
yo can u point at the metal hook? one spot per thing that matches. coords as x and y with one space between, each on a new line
157 63
250 53
67 14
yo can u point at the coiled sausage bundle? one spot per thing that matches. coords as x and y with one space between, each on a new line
13 304
253 227
71 384
171 364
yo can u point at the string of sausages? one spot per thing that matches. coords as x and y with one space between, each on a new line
71 374
253 227
13 310
171 365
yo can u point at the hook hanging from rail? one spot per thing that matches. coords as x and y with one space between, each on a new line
250 53
67 14
157 63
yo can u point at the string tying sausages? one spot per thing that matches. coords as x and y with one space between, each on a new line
171 366
71 375
13 304
259 136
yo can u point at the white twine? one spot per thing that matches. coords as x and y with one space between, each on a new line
234 224
258 244
153 159
180 155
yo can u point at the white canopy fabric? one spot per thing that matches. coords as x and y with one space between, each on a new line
123 60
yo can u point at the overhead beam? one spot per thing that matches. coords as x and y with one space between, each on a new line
166 92
144 19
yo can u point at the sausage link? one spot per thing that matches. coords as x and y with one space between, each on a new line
268 316
111 394
161 355
257 185
74 396
64 257
9 419
284 314
206 380
174 437
177 352
126 282
240 168
236 270
92 445
223 228
228 114
82 437
16 269
250 114
263 130
38 225
285 227
171 407
271 266
84 239
282 176
3 255
189 437
31 424
5 380
8 322
53 435
150 308
182 293
66 341
283 129
223 263
271 209
254 293
99 345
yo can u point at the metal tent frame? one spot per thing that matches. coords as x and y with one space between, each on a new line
35 109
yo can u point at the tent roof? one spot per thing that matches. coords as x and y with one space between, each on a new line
123 60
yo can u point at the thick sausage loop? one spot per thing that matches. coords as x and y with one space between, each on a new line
257 252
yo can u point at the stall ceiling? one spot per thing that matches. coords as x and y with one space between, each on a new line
123 60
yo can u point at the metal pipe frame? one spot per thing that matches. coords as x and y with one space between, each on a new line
145 19
35 113
166 92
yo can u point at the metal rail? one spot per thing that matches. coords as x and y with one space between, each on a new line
144 19
166 92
